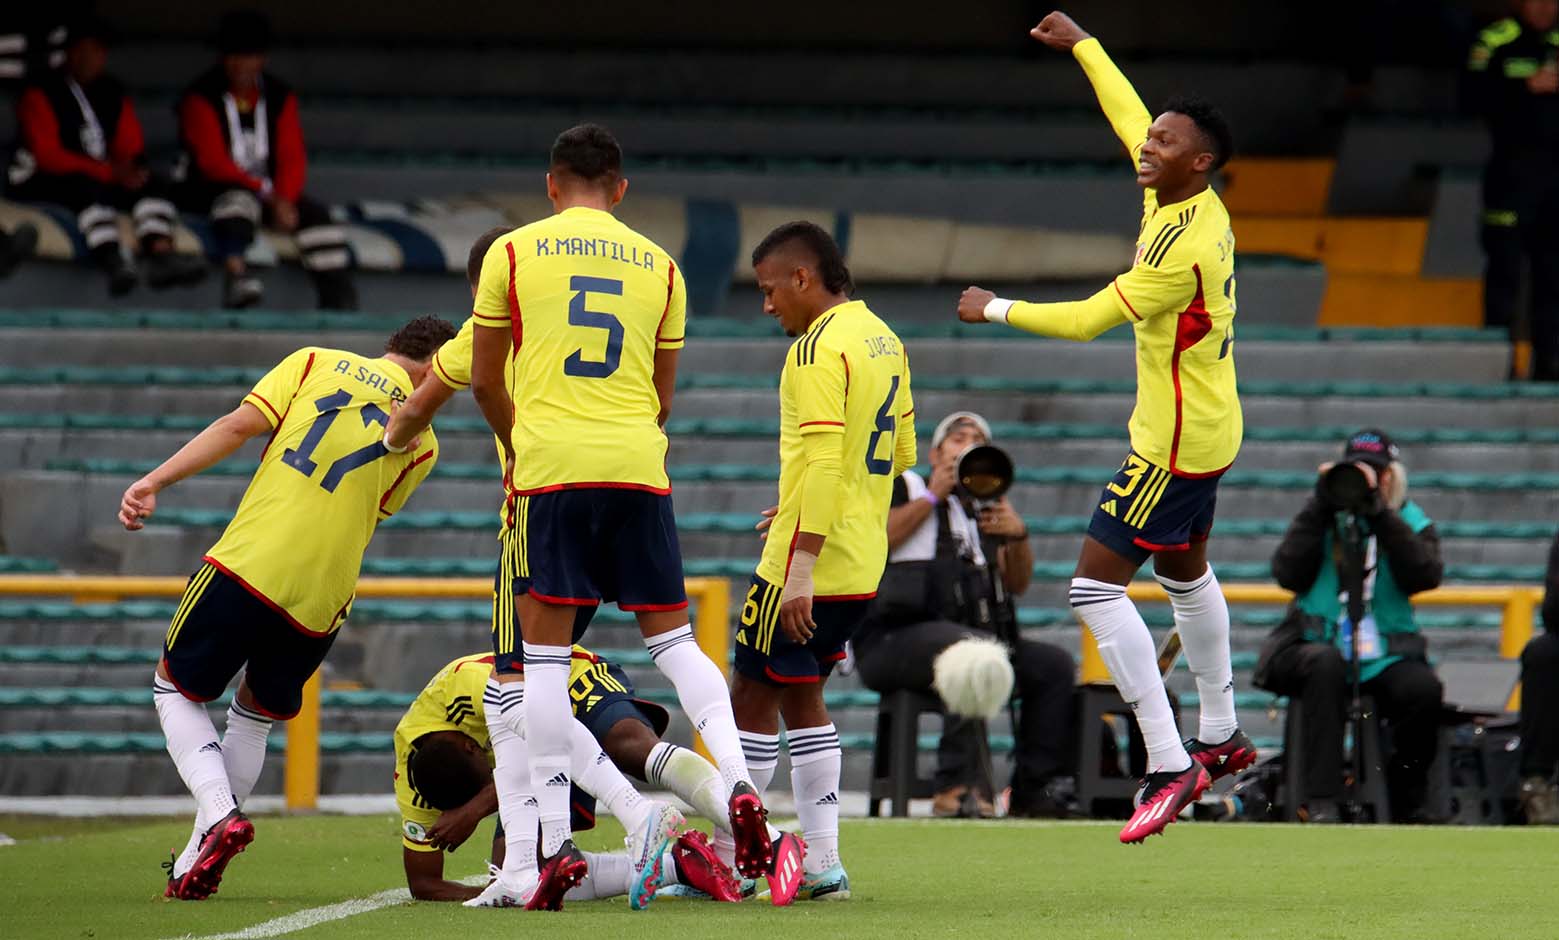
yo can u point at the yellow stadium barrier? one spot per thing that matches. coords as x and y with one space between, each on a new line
711 596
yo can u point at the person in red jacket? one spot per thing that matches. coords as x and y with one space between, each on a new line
81 148
244 162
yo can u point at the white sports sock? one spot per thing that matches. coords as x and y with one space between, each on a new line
595 773
193 745
243 748
762 754
815 764
705 698
517 807
1126 647
694 780
610 876
549 723
1202 617
725 846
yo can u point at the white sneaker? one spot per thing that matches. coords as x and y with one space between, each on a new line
647 848
502 892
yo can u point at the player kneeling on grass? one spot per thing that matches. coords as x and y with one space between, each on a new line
444 783
271 594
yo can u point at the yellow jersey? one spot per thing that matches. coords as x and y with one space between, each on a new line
452 701
588 301
848 374
324 482
1179 297
452 366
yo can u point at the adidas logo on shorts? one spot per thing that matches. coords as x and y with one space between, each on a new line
558 780
831 799
213 746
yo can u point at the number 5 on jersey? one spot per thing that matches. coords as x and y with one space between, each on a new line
576 364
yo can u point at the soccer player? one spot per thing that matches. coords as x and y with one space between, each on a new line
846 432
444 783
1179 299
271 594
593 313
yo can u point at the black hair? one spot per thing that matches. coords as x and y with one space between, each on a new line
588 152
421 338
244 32
1210 121
445 773
821 245
479 249
90 26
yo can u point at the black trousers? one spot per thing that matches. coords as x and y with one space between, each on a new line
890 660
236 214
1408 694
1540 707
1521 239
96 205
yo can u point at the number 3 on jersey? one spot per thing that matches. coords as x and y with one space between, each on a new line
576 364
885 425
301 457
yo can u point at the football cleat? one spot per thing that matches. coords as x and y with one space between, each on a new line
698 867
564 870
647 851
785 876
503 893
831 885
173 883
1162 797
225 839
750 827
1226 759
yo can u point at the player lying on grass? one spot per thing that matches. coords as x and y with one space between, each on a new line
444 782
271 594
1185 430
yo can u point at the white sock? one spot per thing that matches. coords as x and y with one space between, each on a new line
517 807
193 745
1126 647
815 764
610 876
694 780
243 748
595 773
1202 617
705 697
549 723
762 754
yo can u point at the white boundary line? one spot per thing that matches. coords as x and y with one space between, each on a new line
312 917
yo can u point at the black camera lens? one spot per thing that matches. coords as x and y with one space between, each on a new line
1347 487
985 472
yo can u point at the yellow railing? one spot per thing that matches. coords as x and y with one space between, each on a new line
711 596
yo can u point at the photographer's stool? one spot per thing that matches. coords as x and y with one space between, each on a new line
1372 780
1097 701
895 767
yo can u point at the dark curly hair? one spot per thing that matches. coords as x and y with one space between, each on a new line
479 249
445 773
819 244
588 152
421 338
1210 121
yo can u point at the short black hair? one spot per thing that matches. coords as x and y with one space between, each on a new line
1210 121
588 152
821 245
479 249
421 338
443 772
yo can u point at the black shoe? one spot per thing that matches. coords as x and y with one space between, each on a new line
1054 799
1226 759
122 277
21 243
168 269
242 290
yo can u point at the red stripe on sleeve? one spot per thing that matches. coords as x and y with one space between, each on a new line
1132 310
808 424
671 283
516 326
408 468
261 399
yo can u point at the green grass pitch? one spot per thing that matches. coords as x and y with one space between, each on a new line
85 880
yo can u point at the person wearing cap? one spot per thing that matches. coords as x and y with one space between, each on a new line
244 163
81 147
1308 656
938 537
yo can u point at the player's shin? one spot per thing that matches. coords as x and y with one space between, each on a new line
243 748
610 876
762 754
1126 647
702 690
1202 617
517 807
192 743
815 765
694 780
549 722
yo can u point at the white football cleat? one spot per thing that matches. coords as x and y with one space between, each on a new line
647 848
501 892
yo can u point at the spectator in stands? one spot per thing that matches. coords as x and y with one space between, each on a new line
32 41
960 566
1307 657
1513 72
245 163
81 148
1540 709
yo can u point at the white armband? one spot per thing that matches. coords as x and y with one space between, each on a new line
996 310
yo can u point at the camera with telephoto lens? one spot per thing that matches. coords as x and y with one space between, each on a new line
985 474
1349 487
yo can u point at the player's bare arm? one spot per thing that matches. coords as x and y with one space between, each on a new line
489 348
1059 31
455 826
414 415
665 381
425 878
796 599
220 439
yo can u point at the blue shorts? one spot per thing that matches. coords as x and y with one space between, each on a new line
1147 509
583 546
221 628
508 655
765 654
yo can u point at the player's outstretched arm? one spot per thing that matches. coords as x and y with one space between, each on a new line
217 442
1077 320
425 878
1119 101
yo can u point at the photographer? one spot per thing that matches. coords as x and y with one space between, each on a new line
1396 555
1540 709
953 567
